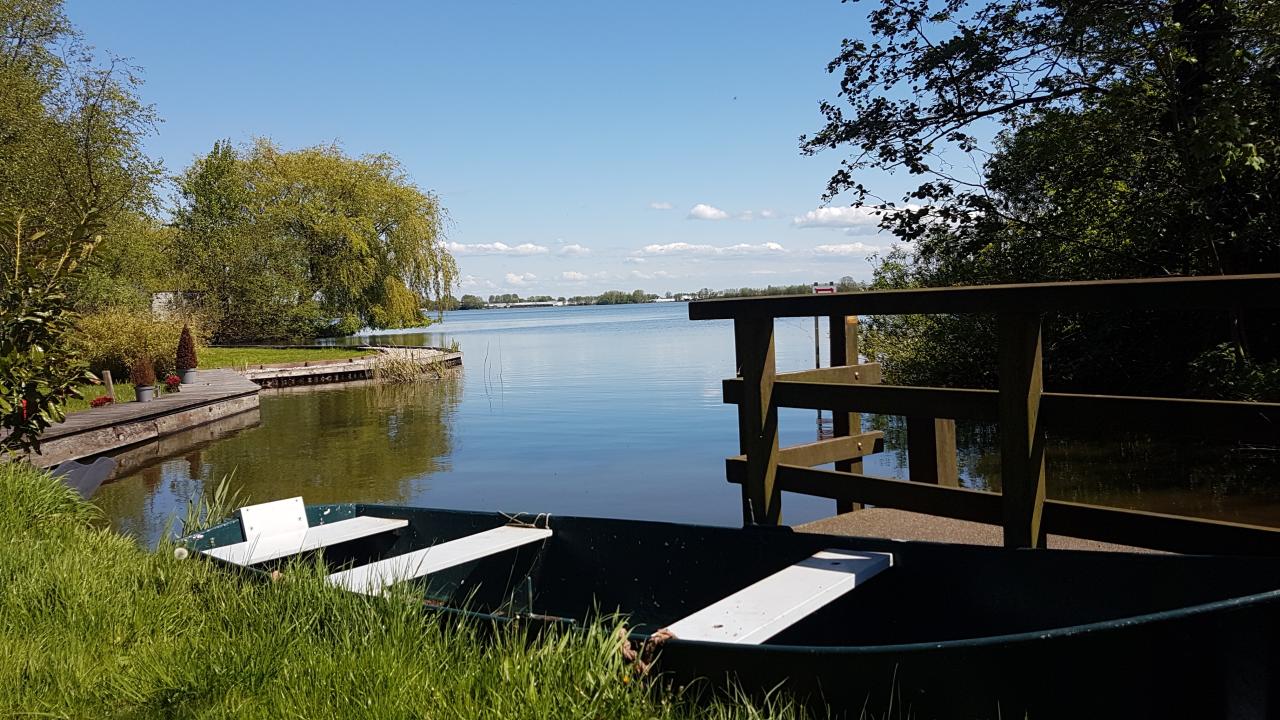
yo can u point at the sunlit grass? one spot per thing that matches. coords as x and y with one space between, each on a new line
124 393
96 626
235 358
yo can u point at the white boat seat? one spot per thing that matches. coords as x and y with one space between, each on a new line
761 610
279 529
374 578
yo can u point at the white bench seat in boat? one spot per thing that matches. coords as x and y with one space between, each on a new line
279 529
764 609
374 578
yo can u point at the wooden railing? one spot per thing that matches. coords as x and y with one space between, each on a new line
1021 407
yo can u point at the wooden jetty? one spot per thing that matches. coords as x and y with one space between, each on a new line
217 394
317 372
1021 406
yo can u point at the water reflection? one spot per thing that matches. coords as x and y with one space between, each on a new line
329 444
1177 475
617 412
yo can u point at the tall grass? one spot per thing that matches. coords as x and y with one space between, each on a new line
95 626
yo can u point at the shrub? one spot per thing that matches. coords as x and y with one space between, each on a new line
111 338
143 372
186 359
172 382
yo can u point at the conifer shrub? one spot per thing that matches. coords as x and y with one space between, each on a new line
186 359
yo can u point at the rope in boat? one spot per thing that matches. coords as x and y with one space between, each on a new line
642 658
515 521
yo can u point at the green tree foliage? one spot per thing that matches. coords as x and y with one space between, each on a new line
37 370
282 243
137 257
71 168
1134 139
620 297
71 126
471 302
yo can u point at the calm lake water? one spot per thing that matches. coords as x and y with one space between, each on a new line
608 411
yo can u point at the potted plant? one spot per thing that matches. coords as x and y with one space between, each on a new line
187 356
143 375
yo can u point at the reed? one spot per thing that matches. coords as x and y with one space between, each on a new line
398 369
97 626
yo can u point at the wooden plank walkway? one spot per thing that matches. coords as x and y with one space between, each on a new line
324 371
216 394
903 525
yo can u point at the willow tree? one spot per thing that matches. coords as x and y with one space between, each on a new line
286 243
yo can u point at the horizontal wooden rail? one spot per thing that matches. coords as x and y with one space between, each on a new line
1157 531
1172 533
1173 293
1223 419
864 374
822 452
933 499
955 403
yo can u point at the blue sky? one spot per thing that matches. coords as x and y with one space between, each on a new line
578 146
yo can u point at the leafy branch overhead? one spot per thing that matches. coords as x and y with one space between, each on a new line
1176 98
1065 140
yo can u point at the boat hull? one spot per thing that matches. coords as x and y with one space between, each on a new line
948 631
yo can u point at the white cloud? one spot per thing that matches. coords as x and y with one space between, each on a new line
768 214
574 249
855 248
659 206
496 248
746 215
655 275
520 279
572 276
682 248
707 212
866 219
763 272
634 260
473 281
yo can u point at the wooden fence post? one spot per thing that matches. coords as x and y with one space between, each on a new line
1021 436
758 420
931 451
111 386
844 351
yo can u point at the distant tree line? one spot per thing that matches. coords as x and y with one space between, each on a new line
621 297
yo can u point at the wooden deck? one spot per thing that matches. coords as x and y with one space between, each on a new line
216 394
328 371
902 525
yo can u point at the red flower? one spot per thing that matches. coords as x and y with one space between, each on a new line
171 382
100 401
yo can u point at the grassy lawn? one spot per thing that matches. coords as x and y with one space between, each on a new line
96 626
124 393
226 357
